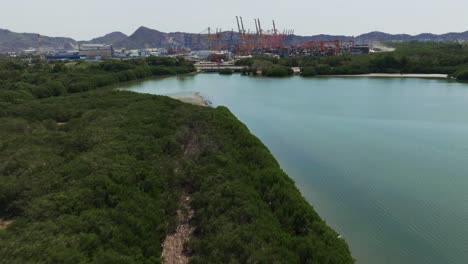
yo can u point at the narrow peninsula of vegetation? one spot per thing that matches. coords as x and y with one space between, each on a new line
89 174
408 57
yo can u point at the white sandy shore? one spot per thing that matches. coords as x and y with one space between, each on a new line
195 99
394 75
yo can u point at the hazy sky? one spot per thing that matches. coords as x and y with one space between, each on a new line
86 19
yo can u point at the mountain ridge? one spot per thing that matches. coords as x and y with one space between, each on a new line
108 38
145 37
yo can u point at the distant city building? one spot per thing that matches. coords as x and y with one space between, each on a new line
138 53
210 55
66 56
30 51
96 50
360 49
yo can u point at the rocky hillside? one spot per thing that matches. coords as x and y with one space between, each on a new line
11 41
108 38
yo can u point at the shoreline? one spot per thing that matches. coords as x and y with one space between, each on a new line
392 75
194 99
375 75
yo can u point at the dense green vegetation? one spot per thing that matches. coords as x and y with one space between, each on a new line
265 66
96 176
20 81
226 72
308 71
462 73
409 57
277 71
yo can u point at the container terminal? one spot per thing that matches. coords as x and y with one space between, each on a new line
220 46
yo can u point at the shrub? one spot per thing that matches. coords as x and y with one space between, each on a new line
308 71
226 72
161 70
277 71
56 88
461 74
14 96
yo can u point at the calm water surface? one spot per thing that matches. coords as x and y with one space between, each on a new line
384 161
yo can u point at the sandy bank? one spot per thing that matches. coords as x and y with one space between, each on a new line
195 99
394 75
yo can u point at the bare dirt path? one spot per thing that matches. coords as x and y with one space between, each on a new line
4 224
173 246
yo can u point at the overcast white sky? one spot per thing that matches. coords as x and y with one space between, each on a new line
86 19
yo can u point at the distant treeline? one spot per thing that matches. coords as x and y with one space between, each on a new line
22 81
409 57
93 175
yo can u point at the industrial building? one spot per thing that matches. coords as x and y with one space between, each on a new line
210 55
66 55
96 50
360 49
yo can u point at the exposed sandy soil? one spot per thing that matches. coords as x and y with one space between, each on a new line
4 223
192 100
195 99
173 246
381 47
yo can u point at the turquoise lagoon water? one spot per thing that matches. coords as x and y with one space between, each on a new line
383 160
